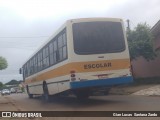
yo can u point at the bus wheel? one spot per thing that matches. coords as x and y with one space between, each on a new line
29 95
46 96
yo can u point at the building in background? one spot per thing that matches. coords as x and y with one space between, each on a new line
143 68
156 32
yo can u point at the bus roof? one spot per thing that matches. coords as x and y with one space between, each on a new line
64 25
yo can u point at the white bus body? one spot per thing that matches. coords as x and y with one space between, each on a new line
84 56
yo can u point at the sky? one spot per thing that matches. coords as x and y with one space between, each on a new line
26 24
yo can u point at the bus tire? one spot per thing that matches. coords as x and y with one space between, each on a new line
46 96
29 95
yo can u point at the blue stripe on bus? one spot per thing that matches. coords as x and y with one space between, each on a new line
101 82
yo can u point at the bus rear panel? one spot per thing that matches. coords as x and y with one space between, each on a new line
102 51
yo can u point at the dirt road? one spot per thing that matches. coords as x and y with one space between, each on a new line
121 99
21 102
107 103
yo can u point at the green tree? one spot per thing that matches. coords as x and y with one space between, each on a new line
1 85
13 82
3 63
140 42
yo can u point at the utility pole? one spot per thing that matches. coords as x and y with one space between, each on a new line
128 24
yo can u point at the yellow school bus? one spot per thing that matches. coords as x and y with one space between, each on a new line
84 57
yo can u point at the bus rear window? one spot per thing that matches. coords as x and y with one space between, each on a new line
98 37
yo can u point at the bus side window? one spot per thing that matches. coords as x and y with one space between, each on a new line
60 45
51 59
55 54
64 51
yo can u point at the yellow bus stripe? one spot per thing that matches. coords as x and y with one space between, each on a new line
80 67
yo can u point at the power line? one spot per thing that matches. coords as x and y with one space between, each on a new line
133 24
28 48
26 37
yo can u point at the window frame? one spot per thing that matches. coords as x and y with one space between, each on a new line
79 50
44 53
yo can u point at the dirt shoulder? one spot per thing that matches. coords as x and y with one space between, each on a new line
129 89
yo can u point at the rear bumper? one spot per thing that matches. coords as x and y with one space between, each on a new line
101 82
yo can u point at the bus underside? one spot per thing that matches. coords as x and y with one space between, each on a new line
99 87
